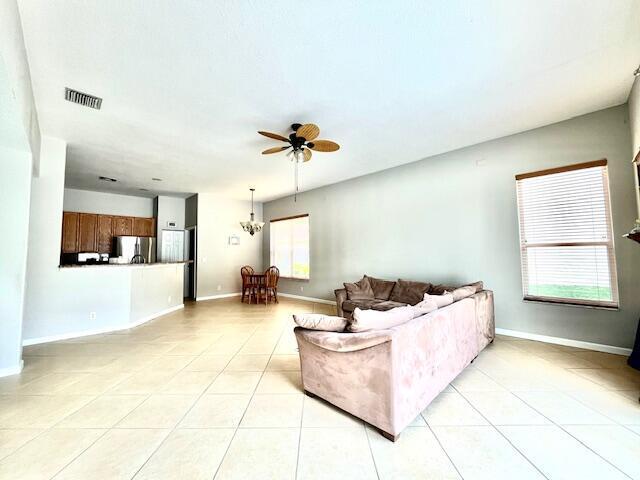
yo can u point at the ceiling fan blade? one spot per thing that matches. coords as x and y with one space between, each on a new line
324 146
307 154
308 131
274 150
275 136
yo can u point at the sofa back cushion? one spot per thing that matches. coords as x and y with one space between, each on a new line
441 288
463 292
360 290
319 321
381 288
479 286
368 320
440 300
406 291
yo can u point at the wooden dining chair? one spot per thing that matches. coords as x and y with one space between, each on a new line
246 283
271 276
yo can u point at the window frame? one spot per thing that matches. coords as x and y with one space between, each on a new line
282 219
614 303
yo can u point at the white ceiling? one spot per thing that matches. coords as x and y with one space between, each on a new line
187 83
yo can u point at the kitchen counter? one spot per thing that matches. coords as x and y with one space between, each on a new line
135 265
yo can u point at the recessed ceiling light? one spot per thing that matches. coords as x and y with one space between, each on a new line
107 179
156 179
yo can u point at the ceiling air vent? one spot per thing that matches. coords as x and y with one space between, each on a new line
82 98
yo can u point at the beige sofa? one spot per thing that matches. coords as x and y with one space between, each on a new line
388 377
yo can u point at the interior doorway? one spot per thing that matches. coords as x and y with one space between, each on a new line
192 266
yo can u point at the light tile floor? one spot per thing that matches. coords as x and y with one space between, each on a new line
214 391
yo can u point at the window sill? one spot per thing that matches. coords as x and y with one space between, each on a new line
579 305
296 278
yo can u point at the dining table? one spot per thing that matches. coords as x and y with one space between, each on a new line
255 281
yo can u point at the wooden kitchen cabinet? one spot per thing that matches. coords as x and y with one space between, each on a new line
87 223
69 232
90 232
104 233
144 227
122 226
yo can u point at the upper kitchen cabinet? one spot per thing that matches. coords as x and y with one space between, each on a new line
144 227
104 233
87 223
122 226
69 232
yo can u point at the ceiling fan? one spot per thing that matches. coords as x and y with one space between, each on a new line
300 143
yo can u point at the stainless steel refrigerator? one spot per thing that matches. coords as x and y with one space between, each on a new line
135 249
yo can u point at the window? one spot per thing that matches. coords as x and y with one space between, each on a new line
289 243
566 242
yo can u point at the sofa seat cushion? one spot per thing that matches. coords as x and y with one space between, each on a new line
408 292
381 288
388 305
350 305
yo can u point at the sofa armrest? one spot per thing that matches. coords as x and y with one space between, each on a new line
341 296
344 342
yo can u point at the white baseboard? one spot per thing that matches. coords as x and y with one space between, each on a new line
280 294
215 297
155 315
598 347
5 372
98 331
308 299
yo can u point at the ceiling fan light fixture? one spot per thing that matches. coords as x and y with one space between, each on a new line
251 227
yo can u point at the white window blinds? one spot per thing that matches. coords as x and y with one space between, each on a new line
566 242
289 246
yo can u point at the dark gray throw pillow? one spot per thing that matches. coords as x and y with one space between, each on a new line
406 291
359 290
381 288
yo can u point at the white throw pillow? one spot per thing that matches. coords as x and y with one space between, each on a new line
366 320
440 300
319 321
462 292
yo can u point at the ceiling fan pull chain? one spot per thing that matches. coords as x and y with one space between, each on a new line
295 195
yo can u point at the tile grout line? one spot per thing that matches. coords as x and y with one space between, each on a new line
250 399
373 458
561 427
114 426
304 402
175 427
443 449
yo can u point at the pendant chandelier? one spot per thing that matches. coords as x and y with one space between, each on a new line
252 226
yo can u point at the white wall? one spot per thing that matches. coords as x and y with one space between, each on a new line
14 57
14 218
218 262
16 164
453 218
107 203
59 300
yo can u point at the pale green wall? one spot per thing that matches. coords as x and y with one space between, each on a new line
449 219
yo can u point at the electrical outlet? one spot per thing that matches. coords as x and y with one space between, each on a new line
302 289
169 299
219 287
92 315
